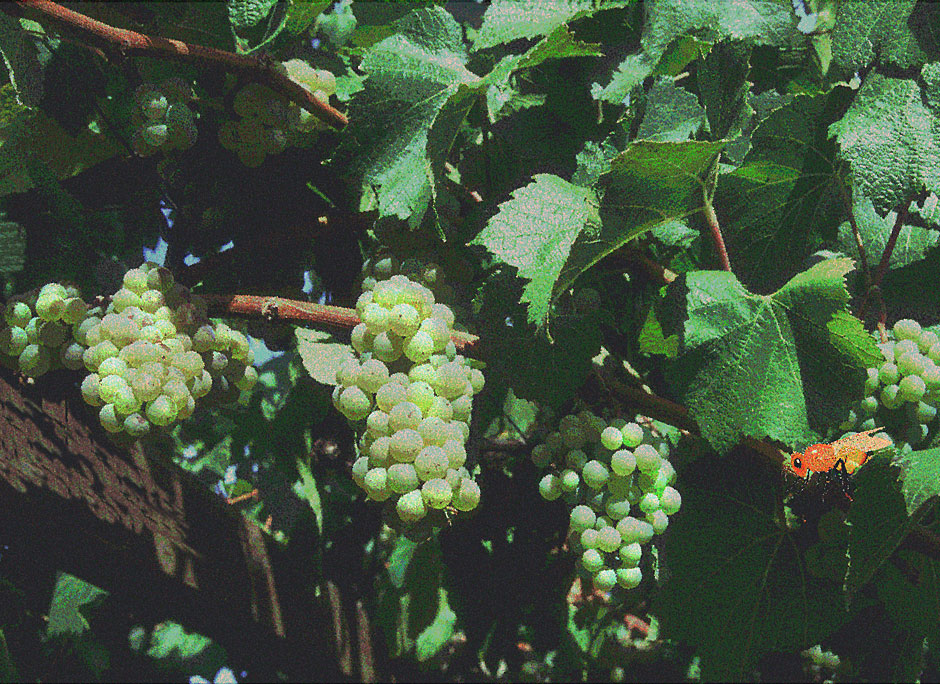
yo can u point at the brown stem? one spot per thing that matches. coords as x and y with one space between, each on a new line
128 42
294 311
712 219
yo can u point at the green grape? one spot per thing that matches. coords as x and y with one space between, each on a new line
888 374
423 372
569 480
582 518
467 495
136 425
605 580
53 333
437 493
541 456
456 453
589 538
462 406
907 329
389 395
13 341
33 360
629 578
411 507
154 134
649 503
402 477
437 331
419 347
550 487
623 462
17 314
934 353
670 501
75 311
153 104
378 452
617 508
925 413
405 415
611 438
632 435
421 394
375 480
647 458
355 404
70 356
161 411
89 389
868 406
904 347
592 561
658 521
387 347
109 419
431 463
608 539
372 376
377 423
911 388
405 445
476 380
49 307
376 318
630 554
927 340
908 363
404 320
595 474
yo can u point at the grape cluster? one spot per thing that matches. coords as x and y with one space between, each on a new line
151 353
384 266
163 119
37 335
268 123
415 394
902 393
617 479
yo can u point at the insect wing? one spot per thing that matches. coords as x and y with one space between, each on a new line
864 441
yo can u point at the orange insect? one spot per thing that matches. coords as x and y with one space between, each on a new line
843 455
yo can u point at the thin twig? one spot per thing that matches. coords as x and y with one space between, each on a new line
295 311
128 42
711 218
862 256
885 257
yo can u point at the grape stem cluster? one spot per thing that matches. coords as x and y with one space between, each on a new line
128 42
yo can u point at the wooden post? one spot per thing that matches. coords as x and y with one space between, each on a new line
143 530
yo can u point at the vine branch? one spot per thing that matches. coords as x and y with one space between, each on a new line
711 218
295 311
128 42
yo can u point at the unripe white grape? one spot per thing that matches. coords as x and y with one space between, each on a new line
595 474
550 487
907 329
404 445
605 580
629 578
570 480
402 478
647 458
411 507
467 495
630 554
437 493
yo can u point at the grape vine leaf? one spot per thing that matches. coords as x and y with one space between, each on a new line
246 17
738 585
722 82
71 600
321 354
878 521
884 30
672 113
762 365
913 243
402 123
648 184
784 199
508 20
848 335
920 477
891 140
302 13
559 44
534 231
759 22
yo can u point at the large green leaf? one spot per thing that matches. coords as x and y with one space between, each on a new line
763 365
71 599
25 58
775 209
920 478
534 232
738 585
672 114
878 521
508 20
648 184
760 22
883 30
403 122
891 140
722 81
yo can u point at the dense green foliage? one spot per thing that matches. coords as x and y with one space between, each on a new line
719 219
